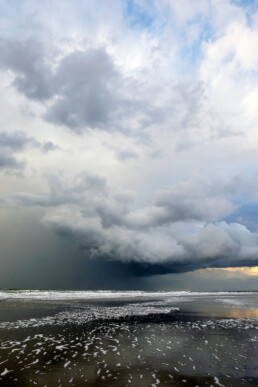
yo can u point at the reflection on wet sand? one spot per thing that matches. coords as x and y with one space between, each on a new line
231 312
241 313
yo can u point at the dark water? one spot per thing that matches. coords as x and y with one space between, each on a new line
210 340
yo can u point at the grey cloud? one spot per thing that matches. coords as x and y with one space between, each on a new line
10 144
188 109
183 206
126 154
13 143
180 209
83 183
76 192
183 145
169 248
157 154
26 59
191 97
7 160
83 95
179 231
84 89
184 106
14 140
38 200
49 146
90 91
191 200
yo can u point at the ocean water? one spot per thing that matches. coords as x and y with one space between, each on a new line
89 338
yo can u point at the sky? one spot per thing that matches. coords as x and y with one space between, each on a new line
129 144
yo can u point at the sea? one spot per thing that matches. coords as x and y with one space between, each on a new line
128 338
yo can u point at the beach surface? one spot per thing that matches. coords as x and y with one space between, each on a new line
101 338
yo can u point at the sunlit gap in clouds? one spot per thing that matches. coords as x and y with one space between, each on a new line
252 271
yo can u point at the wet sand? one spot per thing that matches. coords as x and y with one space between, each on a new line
177 340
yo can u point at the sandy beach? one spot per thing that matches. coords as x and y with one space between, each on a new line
128 339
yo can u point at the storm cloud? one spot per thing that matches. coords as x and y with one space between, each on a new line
182 230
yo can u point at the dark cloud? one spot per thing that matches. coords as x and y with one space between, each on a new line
84 89
26 59
80 89
10 144
29 262
183 230
8 161
16 141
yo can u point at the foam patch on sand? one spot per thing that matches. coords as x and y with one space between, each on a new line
92 313
141 310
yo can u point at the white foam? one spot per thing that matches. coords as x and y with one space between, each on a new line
216 380
67 364
81 295
6 371
102 294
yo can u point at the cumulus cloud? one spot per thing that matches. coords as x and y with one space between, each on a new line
79 89
172 247
85 90
182 230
